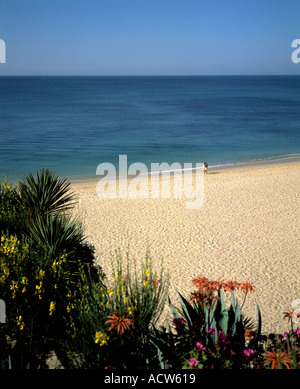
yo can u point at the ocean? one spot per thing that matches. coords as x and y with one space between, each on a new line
72 124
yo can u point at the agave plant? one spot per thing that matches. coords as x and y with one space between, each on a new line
204 321
232 322
218 317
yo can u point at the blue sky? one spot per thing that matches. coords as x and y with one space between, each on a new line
149 37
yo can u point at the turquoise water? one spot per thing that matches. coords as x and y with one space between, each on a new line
72 124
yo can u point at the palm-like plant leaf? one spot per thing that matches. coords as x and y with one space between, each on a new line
46 193
55 234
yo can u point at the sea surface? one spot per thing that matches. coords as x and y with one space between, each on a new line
73 124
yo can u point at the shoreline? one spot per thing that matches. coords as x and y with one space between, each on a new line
271 161
246 230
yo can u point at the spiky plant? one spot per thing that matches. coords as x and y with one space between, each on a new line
46 193
47 198
55 233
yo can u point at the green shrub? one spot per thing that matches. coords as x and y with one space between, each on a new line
58 300
43 260
35 292
134 304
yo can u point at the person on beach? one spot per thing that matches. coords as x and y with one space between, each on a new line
205 166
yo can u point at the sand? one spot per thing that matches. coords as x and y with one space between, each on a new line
246 230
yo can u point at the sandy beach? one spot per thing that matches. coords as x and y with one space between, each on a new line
246 230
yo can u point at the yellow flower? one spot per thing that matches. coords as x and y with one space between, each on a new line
8 245
72 325
69 307
54 264
101 338
147 272
117 273
130 310
39 290
8 187
14 287
109 291
6 272
24 281
52 308
145 283
39 287
20 323
40 274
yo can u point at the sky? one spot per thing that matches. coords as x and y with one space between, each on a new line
149 37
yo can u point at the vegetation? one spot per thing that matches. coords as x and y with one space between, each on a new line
58 300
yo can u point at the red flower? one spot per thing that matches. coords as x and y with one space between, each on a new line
246 287
288 314
273 359
230 286
122 323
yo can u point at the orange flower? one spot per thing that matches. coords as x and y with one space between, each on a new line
288 314
122 323
200 282
249 334
204 285
230 286
156 282
273 359
246 287
204 298
199 297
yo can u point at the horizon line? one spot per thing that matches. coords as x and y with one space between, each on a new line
147 75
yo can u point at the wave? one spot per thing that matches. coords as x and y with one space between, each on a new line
253 162
259 161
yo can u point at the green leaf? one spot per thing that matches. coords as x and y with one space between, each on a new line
45 194
239 334
238 314
54 234
231 316
214 336
254 341
189 313
221 314
173 309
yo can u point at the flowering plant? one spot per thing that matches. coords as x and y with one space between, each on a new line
133 304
